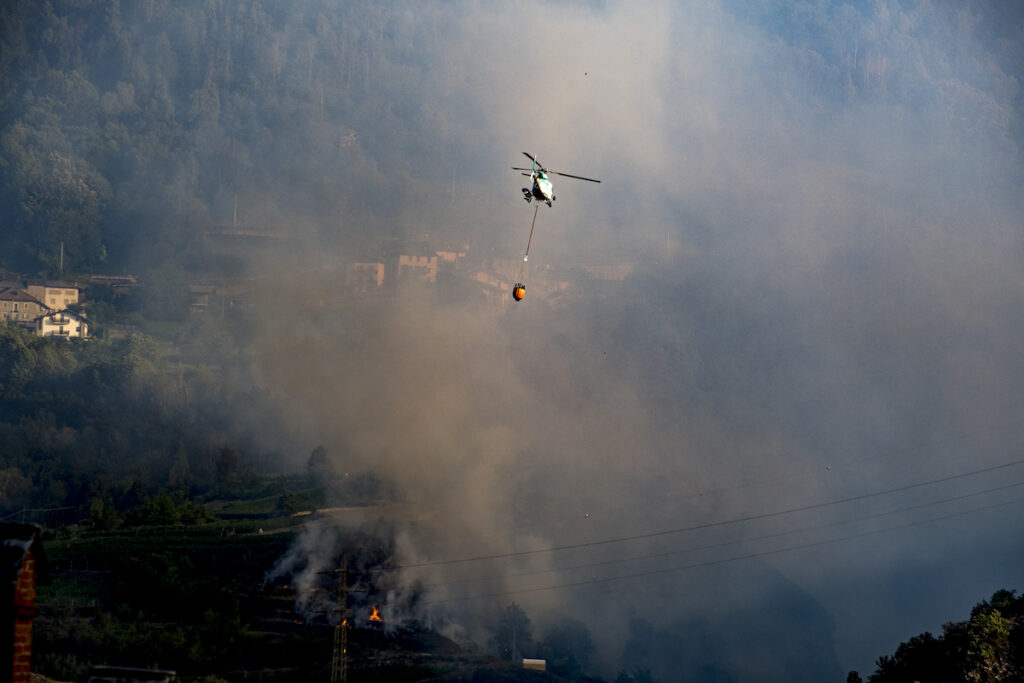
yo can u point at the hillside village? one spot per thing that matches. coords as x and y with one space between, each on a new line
395 264
49 308
60 308
419 262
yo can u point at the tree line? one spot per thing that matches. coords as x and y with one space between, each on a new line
987 647
127 130
128 429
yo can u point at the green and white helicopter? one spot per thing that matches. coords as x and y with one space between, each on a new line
540 187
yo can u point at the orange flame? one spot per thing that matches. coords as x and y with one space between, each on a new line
376 615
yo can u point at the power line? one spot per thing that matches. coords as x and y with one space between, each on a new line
711 563
23 511
709 525
722 544
885 455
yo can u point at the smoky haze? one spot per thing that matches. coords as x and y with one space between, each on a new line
768 453
786 442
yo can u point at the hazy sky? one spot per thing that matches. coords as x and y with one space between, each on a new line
798 421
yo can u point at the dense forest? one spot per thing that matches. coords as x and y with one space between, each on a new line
127 130
117 422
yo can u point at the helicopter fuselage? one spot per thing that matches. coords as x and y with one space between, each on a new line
540 189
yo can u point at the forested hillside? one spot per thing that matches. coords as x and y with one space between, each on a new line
96 429
127 129
128 133
778 446
989 646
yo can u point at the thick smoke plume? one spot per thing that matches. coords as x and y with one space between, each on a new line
822 205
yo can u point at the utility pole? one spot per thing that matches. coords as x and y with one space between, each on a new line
339 660
514 643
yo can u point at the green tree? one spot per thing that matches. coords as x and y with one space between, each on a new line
642 675
318 467
158 581
922 658
290 502
180 476
58 219
567 646
103 515
14 488
159 510
190 512
163 293
988 646
513 635
136 356
228 463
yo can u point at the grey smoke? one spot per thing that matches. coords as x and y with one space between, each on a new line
823 205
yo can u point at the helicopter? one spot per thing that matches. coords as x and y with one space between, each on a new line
540 186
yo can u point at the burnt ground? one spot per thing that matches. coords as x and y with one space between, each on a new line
196 602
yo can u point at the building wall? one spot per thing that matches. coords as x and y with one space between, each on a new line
425 267
20 310
365 277
452 258
22 661
24 612
54 297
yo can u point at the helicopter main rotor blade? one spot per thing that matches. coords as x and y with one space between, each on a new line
577 177
537 165
516 168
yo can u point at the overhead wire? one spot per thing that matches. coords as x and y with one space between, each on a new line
722 544
712 524
803 473
794 474
722 523
711 563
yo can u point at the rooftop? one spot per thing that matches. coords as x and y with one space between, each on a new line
15 294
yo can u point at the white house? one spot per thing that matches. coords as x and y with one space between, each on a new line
62 323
